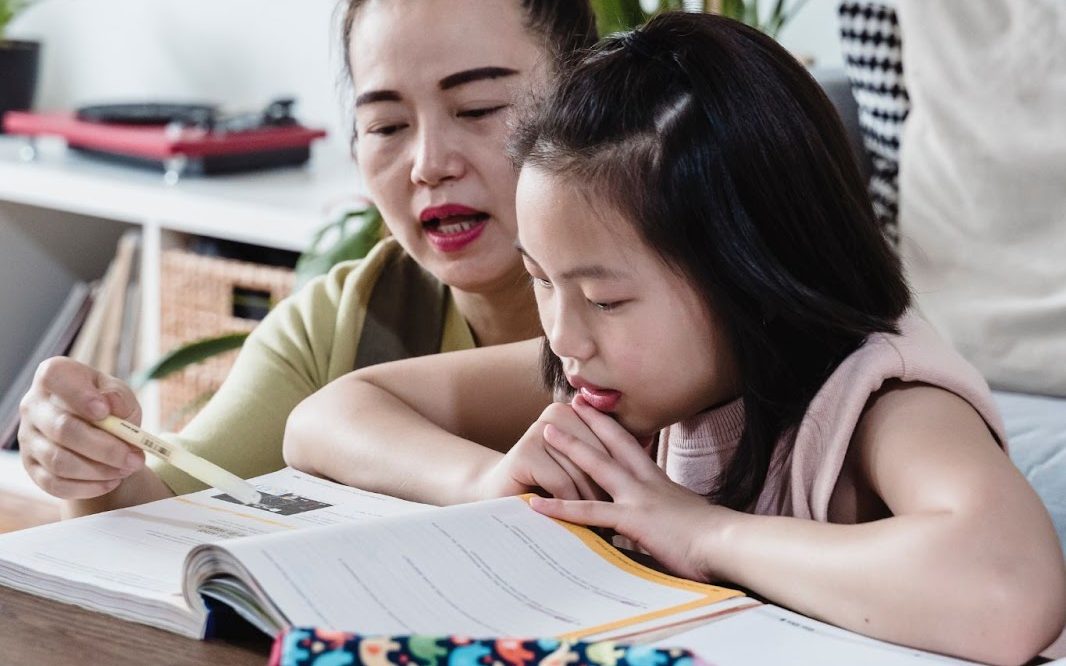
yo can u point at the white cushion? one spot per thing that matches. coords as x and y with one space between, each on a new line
983 182
1036 432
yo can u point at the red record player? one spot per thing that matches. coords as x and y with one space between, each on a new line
180 139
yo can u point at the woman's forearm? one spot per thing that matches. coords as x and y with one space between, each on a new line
361 435
936 581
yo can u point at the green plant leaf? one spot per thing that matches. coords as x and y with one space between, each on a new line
786 15
355 233
8 10
733 9
618 15
751 13
189 354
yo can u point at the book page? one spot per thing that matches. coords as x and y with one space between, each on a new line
494 568
769 634
112 560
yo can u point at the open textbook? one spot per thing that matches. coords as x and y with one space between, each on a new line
318 553
768 634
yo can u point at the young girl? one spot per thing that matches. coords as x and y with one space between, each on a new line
752 399
431 110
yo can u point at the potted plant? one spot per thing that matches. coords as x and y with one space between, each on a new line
18 63
619 15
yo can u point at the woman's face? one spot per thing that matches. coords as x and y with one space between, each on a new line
631 334
435 81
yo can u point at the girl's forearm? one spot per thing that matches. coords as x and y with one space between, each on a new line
922 580
396 452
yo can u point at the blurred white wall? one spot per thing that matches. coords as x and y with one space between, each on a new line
815 32
241 53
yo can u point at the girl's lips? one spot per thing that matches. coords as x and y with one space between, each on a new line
603 400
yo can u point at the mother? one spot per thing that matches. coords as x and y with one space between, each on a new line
433 84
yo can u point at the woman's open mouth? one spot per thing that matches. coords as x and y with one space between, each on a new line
452 227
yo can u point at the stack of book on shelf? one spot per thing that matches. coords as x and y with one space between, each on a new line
108 340
313 553
97 325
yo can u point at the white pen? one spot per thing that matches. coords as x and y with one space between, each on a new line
188 462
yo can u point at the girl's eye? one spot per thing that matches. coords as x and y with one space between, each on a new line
540 282
482 112
606 307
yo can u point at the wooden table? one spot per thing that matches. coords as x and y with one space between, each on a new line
39 631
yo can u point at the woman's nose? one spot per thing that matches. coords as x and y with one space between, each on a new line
437 159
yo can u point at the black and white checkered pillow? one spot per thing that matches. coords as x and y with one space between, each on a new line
873 59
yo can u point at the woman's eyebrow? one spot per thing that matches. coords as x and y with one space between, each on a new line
372 96
476 74
447 83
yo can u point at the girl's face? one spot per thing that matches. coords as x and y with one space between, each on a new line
434 84
634 338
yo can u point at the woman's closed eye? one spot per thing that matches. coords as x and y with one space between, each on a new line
481 112
543 283
385 129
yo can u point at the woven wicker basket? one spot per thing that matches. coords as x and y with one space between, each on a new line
198 301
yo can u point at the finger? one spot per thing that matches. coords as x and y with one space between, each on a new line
593 514
563 416
532 467
63 463
555 481
74 386
586 487
68 431
619 443
606 472
69 489
121 399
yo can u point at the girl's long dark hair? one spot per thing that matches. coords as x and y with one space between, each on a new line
734 167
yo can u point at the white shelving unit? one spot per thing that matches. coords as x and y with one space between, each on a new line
93 201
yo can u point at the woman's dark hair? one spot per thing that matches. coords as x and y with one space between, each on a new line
566 26
734 167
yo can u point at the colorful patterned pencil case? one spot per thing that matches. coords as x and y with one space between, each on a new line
319 647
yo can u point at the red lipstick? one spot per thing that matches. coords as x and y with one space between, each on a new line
452 227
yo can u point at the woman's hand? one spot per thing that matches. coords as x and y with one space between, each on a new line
61 450
670 522
531 465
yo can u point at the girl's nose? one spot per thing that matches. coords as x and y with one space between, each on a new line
568 336
437 159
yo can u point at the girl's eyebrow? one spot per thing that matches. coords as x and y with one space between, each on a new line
588 271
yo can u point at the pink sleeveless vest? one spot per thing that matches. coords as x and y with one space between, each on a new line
801 480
